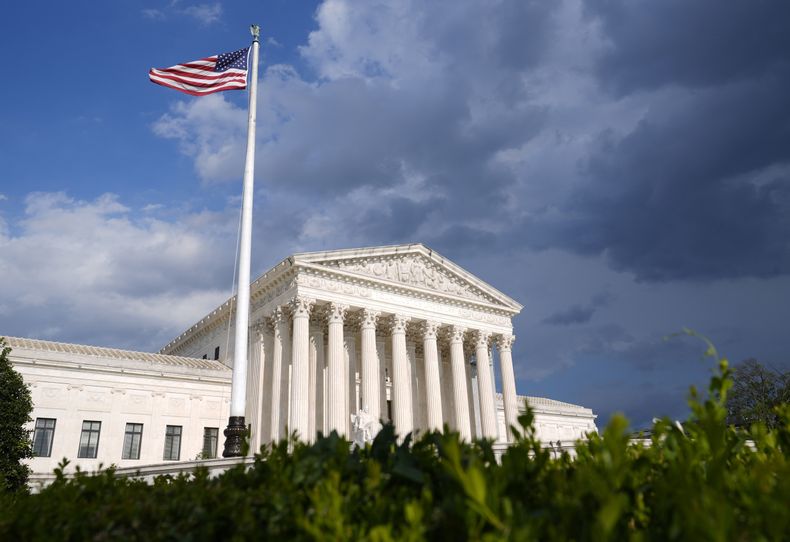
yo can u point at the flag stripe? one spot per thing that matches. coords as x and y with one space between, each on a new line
208 66
200 75
200 83
226 71
188 89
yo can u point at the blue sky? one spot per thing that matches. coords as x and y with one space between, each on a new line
621 168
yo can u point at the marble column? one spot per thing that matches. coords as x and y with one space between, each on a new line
316 405
471 386
266 387
461 396
504 344
402 413
300 372
411 351
350 361
336 390
254 407
446 382
485 386
381 350
433 388
280 324
371 374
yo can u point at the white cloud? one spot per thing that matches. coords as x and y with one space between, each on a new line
205 14
153 14
96 271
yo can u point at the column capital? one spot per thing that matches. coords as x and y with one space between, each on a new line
505 342
397 323
278 316
301 306
481 338
368 318
456 334
335 313
428 329
261 326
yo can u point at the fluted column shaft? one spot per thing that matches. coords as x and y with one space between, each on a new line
485 387
316 405
254 407
280 325
300 368
371 375
402 413
336 389
509 397
461 394
433 387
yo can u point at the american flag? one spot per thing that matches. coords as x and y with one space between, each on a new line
226 71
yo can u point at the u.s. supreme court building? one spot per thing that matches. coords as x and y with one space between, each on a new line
398 333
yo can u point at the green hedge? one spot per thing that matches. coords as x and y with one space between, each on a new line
699 481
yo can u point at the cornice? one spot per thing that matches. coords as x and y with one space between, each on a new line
259 289
383 285
296 271
131 372
412 249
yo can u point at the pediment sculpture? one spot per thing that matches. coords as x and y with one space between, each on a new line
411 270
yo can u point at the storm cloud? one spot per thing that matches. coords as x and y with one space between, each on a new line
622 168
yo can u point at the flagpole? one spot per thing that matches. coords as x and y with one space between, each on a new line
237 428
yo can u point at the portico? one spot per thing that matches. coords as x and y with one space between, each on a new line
399 332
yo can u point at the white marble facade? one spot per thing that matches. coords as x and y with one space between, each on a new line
74 384
399 332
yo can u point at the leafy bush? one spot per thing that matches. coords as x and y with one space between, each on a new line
703 480
15 408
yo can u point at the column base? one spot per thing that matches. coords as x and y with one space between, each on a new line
234 436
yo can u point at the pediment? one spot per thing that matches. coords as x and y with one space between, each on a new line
411 265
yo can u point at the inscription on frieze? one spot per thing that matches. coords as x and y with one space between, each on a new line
411 270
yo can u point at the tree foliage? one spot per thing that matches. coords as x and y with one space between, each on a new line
15 408
704 480
756 393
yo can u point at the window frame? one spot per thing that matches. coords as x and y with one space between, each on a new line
89 431
49 433
210 453
170 438
127 434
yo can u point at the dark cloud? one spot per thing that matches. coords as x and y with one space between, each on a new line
580 314
700 43
576 314
648 138
689 193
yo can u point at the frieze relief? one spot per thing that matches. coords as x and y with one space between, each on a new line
333 286
272 294
411 270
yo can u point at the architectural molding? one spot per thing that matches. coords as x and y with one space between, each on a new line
335 312
504 343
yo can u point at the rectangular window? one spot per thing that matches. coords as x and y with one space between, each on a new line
42 437
89 439
210 440
132 440
216 353
172 443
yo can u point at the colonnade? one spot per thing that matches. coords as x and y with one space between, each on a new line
318 363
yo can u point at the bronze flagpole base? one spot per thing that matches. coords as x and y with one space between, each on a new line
234 436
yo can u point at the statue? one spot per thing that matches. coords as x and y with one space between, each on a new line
364 428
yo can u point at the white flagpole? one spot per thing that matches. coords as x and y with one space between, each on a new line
234 433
